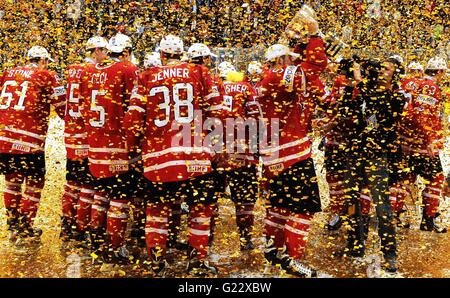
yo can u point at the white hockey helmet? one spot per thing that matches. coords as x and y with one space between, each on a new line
152 59
96 42
254 68
415 66
199 50
278 50
38 52
225 68
171 44
119 42
437 63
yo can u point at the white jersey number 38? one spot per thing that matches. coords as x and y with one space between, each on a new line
178 103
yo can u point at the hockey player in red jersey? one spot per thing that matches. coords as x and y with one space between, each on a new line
27 93
255 72
106 90
177 162
287 95
413 77
152 60
78 189
240 112
199 54
421 136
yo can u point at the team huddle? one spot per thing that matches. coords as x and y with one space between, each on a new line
142 143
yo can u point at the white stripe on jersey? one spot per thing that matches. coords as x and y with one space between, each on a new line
14 141
108 150
136 108
108 162
76 135
187 150
24 132
178 163
286 158
284 146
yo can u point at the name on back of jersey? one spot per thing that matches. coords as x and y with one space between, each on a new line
229 88
25 73
98 78
171 73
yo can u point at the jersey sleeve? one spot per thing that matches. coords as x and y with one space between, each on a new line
212 98
434 128
57 94
315 58
252 106
131 79
134 121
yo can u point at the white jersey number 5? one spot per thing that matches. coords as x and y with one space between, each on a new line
95 107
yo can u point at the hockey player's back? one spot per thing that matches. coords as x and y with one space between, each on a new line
176 94
106 90
27 93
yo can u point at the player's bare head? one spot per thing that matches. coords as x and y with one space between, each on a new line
279 55
393 69
199 53
436 67
39 55
120 47
97 48
171 48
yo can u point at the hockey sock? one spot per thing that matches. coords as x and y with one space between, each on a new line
199 227
244 218
98 211
117 219
398 194
13 191
31 198
84 205
70 199
296 232
432 194
156 228
274 225
175 221
365 201
337 190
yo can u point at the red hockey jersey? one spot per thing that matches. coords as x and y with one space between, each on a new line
27 92
106 90
421 123
287 108
241 110
75 136
288 96
411 84
168 111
